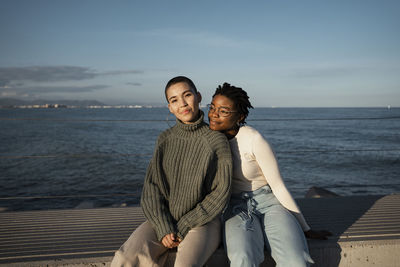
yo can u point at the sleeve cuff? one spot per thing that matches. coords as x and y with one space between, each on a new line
183 229
163 230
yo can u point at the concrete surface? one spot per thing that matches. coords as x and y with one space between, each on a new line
366 233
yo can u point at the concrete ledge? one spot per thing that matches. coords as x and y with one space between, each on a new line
366 233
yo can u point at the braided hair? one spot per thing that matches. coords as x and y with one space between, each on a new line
238 96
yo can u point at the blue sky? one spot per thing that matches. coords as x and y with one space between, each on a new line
283 53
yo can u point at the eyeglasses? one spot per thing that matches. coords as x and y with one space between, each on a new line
222 111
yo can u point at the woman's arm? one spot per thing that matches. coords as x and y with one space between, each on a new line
269 166
214 202
153 200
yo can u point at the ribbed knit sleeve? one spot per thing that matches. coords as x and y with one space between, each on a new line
219 188
154 203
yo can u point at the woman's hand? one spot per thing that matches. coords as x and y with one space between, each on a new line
171 240
313 234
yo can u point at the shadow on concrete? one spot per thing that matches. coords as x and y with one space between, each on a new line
335 214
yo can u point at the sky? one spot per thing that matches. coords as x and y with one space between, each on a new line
310 53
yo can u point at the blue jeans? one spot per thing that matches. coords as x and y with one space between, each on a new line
255 220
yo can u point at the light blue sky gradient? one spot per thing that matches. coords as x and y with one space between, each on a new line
283 53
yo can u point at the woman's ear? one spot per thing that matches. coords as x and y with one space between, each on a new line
199 97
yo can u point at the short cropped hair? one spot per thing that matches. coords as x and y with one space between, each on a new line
180 79
239 98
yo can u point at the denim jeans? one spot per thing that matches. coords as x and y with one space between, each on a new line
255 220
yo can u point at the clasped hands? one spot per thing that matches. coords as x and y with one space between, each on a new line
171 240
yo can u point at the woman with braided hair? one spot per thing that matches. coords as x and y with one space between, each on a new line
261 212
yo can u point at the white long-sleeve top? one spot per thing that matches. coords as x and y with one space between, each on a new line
255 165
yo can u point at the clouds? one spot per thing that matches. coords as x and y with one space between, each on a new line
32 80
134 84
60 89
54 73
46 73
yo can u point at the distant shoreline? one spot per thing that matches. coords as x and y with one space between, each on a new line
63 106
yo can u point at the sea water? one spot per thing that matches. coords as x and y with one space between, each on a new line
58 158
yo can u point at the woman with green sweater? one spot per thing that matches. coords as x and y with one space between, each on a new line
186 188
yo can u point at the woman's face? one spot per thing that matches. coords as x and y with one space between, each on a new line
183 102
223 115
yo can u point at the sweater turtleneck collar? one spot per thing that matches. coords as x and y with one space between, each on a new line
193 129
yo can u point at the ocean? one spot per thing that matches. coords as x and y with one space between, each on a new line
61 158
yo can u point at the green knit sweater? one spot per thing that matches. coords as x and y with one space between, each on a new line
188 179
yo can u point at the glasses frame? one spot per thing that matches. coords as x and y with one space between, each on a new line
218 110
